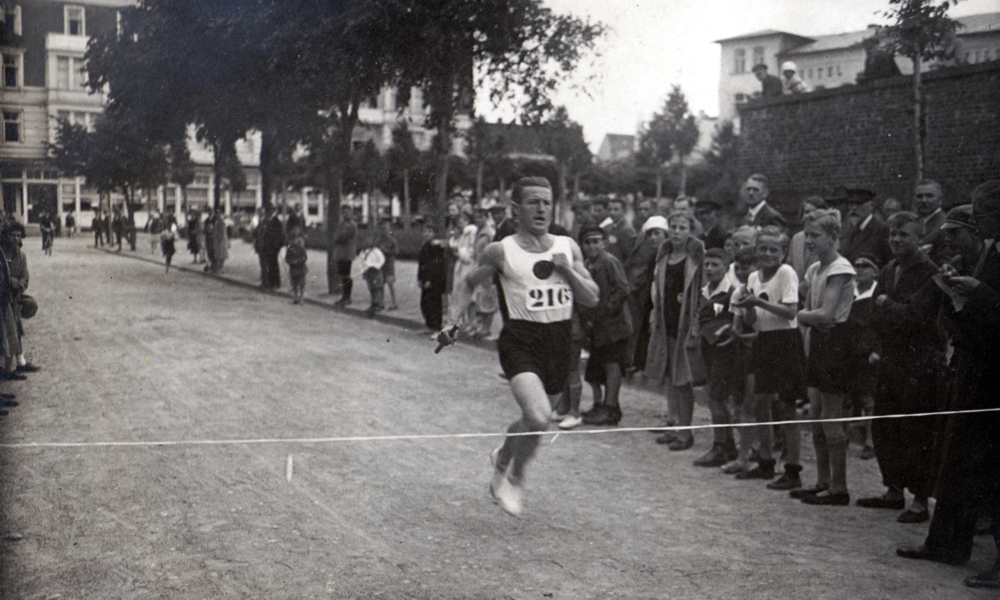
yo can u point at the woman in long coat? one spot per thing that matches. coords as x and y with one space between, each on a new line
674 356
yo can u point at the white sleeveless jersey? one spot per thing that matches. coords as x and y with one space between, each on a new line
528 297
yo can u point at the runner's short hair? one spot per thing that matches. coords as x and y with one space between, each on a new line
517 192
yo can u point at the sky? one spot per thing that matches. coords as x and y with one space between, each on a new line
653 44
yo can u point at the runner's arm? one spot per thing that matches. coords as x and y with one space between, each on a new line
585 289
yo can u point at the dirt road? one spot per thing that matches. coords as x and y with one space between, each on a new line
177 444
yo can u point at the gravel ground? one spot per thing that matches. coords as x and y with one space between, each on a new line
187 438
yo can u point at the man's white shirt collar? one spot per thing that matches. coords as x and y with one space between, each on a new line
756 209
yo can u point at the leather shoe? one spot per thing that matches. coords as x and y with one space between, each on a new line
27 368
828 499
922 552
716 457
666 438
13 376
986 579
806 491
681 443
882 502
914 516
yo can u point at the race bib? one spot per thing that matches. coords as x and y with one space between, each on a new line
549 297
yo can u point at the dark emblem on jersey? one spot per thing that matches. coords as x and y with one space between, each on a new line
543 269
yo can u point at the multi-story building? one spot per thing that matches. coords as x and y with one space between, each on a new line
827 61
43 43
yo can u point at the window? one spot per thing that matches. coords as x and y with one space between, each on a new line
11 21
838 71
12 126
758 55
11 70
829 71
987 56
809 74
819 73
740 98
739 60
75 24
70 74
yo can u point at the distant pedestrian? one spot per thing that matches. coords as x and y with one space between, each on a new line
387 244
432 277
296 257
790 81
48 233
372 261
97 226
344 251
168 238
70 225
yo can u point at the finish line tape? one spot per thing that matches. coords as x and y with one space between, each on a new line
440 436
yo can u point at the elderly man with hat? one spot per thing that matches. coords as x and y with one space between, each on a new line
770 85
969 480
865 234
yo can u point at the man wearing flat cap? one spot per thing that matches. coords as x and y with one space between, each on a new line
864 234
960 241
770 85
969 482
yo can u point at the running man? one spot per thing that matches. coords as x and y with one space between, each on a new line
542 275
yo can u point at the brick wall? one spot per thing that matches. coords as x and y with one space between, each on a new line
861 135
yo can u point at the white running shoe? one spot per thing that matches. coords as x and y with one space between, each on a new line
506 494
571 422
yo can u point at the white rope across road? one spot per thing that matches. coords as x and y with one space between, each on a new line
417 437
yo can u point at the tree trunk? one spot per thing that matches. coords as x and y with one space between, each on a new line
442 180
479 182
684 173
918 133
267 158
332 222
407 209
561 203
216 179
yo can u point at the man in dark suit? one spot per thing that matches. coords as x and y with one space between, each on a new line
969 478
927 200
770 85
760 214
864 234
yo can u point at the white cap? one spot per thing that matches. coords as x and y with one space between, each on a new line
655 222
789 66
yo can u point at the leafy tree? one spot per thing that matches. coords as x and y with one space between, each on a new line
518 50
921 31
721 162
671 135
563 139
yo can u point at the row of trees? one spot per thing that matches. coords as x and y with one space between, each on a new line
298 71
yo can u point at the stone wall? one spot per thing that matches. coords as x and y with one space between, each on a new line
861 135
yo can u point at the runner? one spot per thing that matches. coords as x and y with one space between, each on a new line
541 275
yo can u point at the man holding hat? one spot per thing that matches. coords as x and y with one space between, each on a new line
770 85
865 234
969 481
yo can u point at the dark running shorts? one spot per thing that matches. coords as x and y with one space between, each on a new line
539 348
600 358
830 367
777 361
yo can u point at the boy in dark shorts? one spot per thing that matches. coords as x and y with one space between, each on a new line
769 302
722 356
542 275
608 327
829 293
